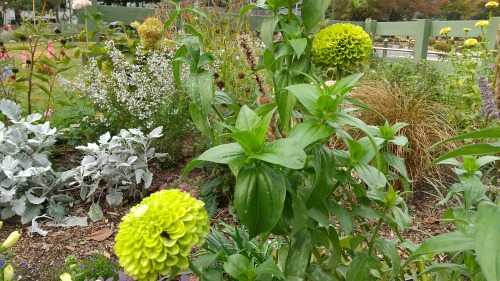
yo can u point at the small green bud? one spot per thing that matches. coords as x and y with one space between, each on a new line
11 240
65 277
8 273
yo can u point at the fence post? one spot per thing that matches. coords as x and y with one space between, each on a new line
422 39
491 33
386 44
371 26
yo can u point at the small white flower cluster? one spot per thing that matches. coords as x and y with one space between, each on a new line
140 88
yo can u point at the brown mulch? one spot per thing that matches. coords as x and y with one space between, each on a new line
39 258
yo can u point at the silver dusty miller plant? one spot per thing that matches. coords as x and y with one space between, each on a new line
27 179
137 88
115 167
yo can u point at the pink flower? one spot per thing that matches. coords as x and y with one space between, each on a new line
24 57
51 50
80 4
4 54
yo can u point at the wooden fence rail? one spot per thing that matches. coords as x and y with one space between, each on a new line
421 30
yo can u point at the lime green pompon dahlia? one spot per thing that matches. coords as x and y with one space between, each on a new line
341 45
150 32
156 237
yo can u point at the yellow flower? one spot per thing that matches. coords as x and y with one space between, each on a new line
445 30
8 273
65 277
470 43
482 23
491 5
135 24
11 240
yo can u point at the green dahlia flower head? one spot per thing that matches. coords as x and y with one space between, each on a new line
150 32
343 46
156 237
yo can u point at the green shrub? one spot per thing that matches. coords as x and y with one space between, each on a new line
343 46
90 268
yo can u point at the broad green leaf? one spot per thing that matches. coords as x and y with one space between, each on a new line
370 175
259 198
251 129
398 164
200 120
246 9
307 95
95 212
402 218
324 176
283 152
222 154
471 149
299 256
309 132
487 242
299 46
267 30
285 102
359 269
445 243
317 273
239 267
344 218
346 84
488 133
247 119
267 270
313 12
388 249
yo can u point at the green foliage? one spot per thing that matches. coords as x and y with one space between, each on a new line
6 256
422 79
90 268
290 186
156 237
27 180
342 46
287 59
116 168
474 244
230 251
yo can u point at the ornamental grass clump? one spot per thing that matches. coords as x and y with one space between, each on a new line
343 46
155 239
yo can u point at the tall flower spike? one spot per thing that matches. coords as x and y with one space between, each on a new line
156 237
490 109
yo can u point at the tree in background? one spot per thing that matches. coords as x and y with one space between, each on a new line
393 10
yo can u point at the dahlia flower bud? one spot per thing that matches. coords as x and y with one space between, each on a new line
491 5
8 273
150 31
156 237
65 277
11 240
445 30
483 23
471 42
